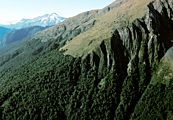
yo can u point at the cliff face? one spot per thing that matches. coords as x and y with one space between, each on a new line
126 76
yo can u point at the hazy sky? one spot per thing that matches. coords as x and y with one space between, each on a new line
15 10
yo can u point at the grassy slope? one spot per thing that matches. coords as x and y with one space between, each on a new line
118 17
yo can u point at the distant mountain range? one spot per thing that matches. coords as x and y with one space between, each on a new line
43 21
26 27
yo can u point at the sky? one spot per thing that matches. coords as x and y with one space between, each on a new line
12 11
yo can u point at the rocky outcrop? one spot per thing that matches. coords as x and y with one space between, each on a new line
125 64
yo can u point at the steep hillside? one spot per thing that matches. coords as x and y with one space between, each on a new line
158 95
120 13
79 25
117 66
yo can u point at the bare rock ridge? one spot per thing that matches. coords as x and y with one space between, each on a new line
121 72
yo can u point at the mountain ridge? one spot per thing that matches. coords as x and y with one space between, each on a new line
34 25
43 21
116 18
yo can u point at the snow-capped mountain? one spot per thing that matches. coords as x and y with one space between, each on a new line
43 21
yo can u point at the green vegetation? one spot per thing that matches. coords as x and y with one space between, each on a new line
157 100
